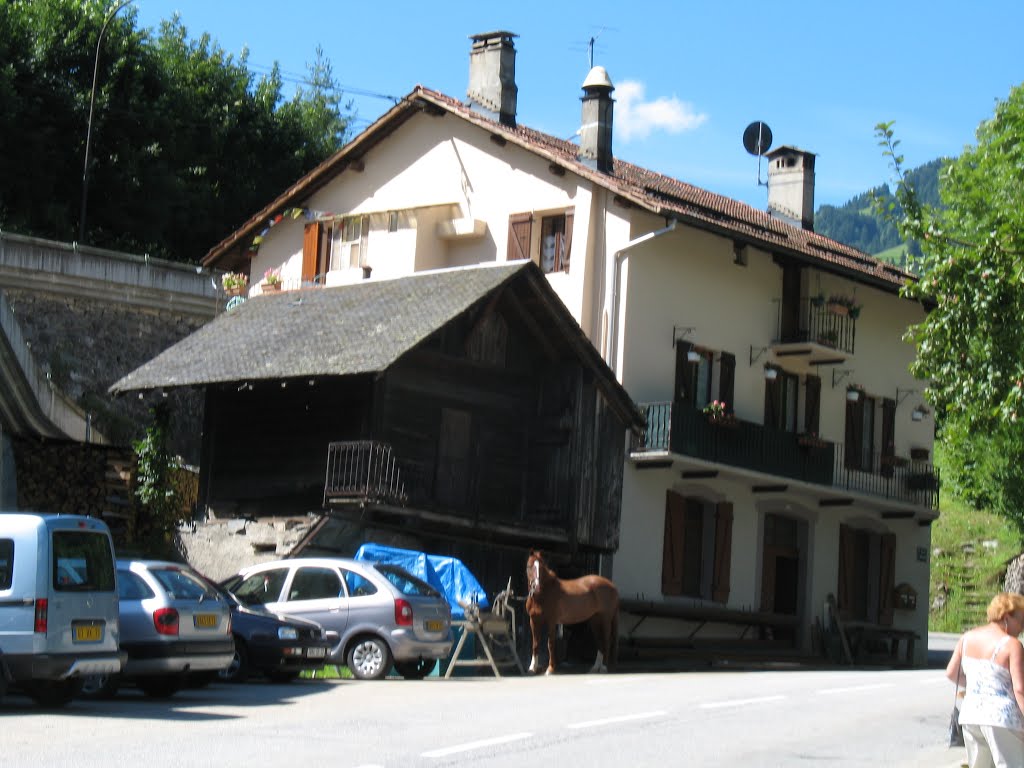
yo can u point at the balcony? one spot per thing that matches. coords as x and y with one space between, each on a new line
822 335
361 471
751 446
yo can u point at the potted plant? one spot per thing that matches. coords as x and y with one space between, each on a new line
841 304
717 414
272 280
817 300
234 283
828 337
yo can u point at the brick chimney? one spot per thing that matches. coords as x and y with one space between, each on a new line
596 130
492 76
791 186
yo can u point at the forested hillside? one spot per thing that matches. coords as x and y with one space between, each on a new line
858 225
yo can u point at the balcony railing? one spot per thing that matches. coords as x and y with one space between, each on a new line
363 470
820 325
744 444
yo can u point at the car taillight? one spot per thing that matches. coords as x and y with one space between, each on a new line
41 611
403 613
166 621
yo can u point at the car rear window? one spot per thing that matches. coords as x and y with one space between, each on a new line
131 586
405 582
6 563
181 585
82 562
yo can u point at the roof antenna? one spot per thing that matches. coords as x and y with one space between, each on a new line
757 140
590 47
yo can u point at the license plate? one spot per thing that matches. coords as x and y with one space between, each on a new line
205 620
434 625
316 653
87 633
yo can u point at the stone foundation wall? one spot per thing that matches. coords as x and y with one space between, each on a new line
220 548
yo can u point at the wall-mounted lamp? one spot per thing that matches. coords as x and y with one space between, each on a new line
852 394
756 352
919 413
680 332
770 374
693 356
839 374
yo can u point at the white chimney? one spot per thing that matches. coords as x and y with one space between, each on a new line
596 131
492 76
791 186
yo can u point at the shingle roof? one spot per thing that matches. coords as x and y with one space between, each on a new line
350 329
652 191
360 328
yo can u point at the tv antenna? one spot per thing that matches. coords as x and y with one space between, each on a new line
757 140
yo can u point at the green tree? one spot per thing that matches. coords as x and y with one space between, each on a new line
970 347
186 142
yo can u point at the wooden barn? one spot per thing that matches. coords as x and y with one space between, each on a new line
462 411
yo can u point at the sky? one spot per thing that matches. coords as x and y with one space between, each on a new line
689 76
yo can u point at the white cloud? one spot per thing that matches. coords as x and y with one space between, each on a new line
637 119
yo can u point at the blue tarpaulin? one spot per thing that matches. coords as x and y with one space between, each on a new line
445 574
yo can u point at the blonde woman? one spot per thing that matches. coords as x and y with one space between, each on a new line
989 662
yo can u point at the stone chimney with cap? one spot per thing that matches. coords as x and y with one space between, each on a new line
492 76
791 186
596 130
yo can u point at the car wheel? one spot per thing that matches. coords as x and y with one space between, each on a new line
238 670
415 670
160 686
53 693
369 658
282 675
100 686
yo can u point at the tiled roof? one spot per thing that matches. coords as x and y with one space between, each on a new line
660 194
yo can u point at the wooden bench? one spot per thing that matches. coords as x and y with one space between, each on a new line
703 615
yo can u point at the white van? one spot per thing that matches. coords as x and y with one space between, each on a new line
58 604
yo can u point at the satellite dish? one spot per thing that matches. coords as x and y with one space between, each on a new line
757 138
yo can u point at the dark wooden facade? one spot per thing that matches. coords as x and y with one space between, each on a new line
504 435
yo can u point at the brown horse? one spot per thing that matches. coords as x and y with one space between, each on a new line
553 601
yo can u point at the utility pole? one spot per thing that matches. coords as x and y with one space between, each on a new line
92 104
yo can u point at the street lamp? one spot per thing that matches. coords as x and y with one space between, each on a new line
92 104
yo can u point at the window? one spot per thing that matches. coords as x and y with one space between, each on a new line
700 381
860 433
261 588
181 585
315 584
867 575
131 586
553 246
6 563
82 562
697 548
405 582
358 586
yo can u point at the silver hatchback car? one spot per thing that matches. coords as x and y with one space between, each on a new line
383 614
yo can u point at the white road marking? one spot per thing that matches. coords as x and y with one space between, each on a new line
739 702
471 745
620 719
854 688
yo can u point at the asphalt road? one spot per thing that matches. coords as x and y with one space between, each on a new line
764 717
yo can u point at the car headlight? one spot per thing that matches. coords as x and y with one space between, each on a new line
287 633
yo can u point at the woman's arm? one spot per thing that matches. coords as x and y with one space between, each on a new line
1016 664
954 670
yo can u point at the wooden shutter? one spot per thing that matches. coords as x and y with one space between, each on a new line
723 552
854 431
773 402
520 232
888 435
812 404
310 250
846 565
887 579
727 381
567 253
684 374
672 546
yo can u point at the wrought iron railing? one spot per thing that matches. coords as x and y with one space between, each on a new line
363 470
744 444
821 325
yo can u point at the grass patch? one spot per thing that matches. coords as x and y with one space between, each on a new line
970 551
329 672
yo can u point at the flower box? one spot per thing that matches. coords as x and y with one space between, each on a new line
837 309
727 420
919 454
